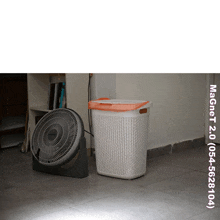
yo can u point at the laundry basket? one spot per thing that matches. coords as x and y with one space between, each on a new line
120 136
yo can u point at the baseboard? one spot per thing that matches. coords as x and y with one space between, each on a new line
168 149
156 152
177 147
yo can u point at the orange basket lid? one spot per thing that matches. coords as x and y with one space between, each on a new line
116 105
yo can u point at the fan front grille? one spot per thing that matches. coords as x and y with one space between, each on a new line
55 136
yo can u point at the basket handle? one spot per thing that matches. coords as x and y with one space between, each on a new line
108 104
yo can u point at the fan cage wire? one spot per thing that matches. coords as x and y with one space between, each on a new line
77 130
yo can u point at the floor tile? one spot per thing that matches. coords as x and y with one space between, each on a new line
30 209
155 205
212 214
160 173
175 187
92 215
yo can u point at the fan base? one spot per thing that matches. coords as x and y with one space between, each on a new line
77 170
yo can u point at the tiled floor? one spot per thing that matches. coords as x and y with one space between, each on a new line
174 187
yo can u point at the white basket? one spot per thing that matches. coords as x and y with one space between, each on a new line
121 141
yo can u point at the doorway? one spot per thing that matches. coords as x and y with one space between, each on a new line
13 108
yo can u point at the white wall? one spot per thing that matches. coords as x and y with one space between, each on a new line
103 85
209 81
77 98
217 108
178 112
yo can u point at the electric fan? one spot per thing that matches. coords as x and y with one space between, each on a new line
56 140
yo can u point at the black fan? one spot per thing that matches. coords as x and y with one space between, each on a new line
57 138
